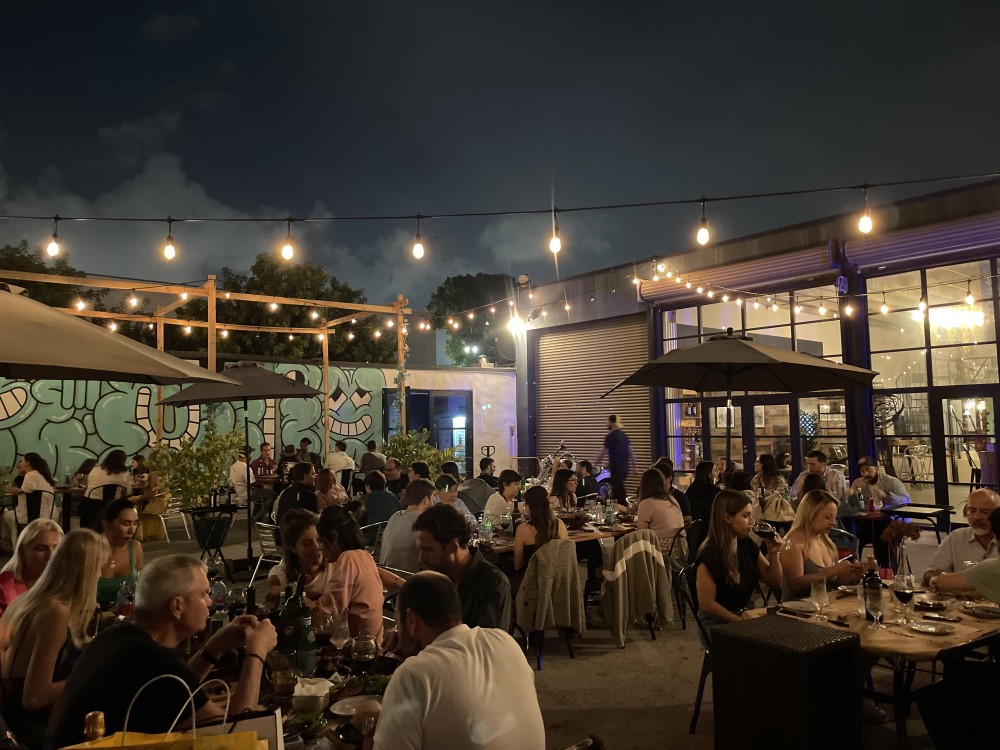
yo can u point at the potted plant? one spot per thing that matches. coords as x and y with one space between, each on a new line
413 446
193 470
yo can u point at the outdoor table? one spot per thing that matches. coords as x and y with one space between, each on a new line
938 515
213 542
506 546
902 647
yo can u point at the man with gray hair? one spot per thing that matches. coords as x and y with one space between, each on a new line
973 543
171 604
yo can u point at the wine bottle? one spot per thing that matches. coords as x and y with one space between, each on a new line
870 580
295 629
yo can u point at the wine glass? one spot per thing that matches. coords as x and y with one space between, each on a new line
819 597
902 588
340 632
873 604
505 521
364 649
321 628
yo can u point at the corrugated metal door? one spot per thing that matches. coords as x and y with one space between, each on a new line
574 368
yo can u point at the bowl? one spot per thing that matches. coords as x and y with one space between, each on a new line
310 704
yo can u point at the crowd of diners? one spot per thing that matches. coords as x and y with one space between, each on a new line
453 618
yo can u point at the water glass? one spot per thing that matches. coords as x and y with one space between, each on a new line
282 664
819 596
340 632
873 604
969 596
363 648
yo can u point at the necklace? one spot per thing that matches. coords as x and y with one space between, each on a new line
114 550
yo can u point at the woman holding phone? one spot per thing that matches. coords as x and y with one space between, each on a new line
809 554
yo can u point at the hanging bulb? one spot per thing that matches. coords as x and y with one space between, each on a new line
848 309
53 248
566 307
969 299
320 336
455 326
389 323
187 329
184 295
669 274
473 315
798 309
884 309
865 222
688 285
112 326
291 336
418 244
288 250
822 307
555 244
224 333
677 278
710 294
756 304
656 277
703 236
774 307
922 305
700 290
169 251
273 306
725 298
378 333
314 315
661 267
133 301
739 302
350 336
80 304
635 280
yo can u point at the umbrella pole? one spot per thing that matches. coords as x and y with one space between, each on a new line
729 421
246 434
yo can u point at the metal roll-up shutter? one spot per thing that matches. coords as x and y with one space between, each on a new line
574 368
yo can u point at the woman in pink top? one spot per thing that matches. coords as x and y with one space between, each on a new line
34 547
354 581
659 511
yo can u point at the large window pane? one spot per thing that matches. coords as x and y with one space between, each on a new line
823 426
896 330
950 284
902 291
680 323
780 337
811 300
969 427
716 318
965 365
902 427
961 324
763 315
906 369
821 339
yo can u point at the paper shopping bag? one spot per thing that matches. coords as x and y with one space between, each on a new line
174 741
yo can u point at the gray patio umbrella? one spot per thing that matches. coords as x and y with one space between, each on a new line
727 362
39 342
251 383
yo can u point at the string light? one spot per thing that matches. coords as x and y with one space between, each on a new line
669 274
969 299
291 336
112 326
350 336
635 280
288 250
774 307
884 309
822 308
455 326
677 278
725 298
492 309
555 244
798 308
702 235
848 309
700 289
187 329
320 337
53 248
472 314
688 285
151 326
756 304
922 305
656 277
224 333
378 333
739 302
314 315
865 222
711 294
184 295
566 307
661 267
227 295
273 306
389 323
169 251
418 244
133 301
353 321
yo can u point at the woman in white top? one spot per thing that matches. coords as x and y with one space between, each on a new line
112 470
502 501
660 512
37 476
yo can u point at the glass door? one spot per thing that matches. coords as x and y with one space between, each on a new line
969 445
718 416
770 431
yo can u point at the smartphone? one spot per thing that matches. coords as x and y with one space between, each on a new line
936 616
849 558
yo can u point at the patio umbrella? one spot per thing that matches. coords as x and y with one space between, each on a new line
39 342
251 383
727 362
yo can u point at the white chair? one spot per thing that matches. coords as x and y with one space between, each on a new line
269 549
172 514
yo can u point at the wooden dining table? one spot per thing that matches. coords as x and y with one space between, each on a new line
901 647
505 545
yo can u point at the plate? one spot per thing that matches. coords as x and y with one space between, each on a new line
932 628
348 706
987 611
935 602
798 605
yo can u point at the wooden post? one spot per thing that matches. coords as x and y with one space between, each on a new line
159 388
325 402
401 360
210 288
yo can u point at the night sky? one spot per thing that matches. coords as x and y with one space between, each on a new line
248 109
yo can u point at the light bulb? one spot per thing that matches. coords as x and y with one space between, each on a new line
53 248
314 315
822 308
884 309
922 305
455 326
566 307
703 235
711 294
472 315
291 336
774 307
700 290
669 274
756 305
739 302
725 298
865 223
656 277
320 336
133 301
969 299
273 306
677 278
187 329
80 304
112 326
350 336
403 329
389 324
798 309
353 321
555 244
378 334
287 251
688 285
848 309
418 249
635 280
224 333
661 267
169 251
184 295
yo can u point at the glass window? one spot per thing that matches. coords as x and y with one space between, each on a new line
779 337
965 365
960 324
969 427
823 427
821 339
950 284
717 317
896 330
905 369
811 300
680 323
901 290
760 313
902 421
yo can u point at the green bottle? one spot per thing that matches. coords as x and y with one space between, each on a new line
295 629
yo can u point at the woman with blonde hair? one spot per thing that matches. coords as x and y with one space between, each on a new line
809 554
34 547
729 563
329 491
44 629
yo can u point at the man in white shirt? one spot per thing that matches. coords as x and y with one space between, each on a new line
339 460
835 482
464 689
238 477
974 543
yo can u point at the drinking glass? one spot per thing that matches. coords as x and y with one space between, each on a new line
282 664
321 628
505 522
873 604
340 633
902 588
969 596
818 595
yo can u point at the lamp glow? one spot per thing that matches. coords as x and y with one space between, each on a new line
884 309
922 305
53 248
865 223
515 325
273 306
288 250
822 308
133 301
703 235
224 333
555 244
418 248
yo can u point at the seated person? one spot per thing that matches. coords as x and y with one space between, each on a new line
451 469
702 491
682 499
443 535
42 632
487 467
399 547
32 552
378 502
299 492
883 488
329 490
729 563
586 483
171 605
563 493
395 479
112 470
35 476
502 501
447 493
118 525
339 460
809 554
419 470
659 511
973 543
540 526
303 556
354 582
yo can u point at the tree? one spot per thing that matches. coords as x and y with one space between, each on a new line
475 336
24 258
269 277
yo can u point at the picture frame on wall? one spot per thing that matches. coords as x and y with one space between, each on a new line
758 418
721 412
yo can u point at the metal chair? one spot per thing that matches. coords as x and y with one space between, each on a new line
694 533
270 551
374 531
94 501
173 513
690 592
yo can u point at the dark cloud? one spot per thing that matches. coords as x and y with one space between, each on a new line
167 29
132 142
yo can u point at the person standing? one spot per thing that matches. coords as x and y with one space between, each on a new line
238 477
371 459
618 450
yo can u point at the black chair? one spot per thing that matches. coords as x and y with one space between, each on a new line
695 534
95 500
346 476
690 593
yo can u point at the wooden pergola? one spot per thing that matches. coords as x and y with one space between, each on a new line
208 290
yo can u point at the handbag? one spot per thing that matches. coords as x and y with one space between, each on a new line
171 740
776 508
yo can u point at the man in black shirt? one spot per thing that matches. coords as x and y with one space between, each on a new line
395 480
486 468
298 494
380 504
171 604
443 542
